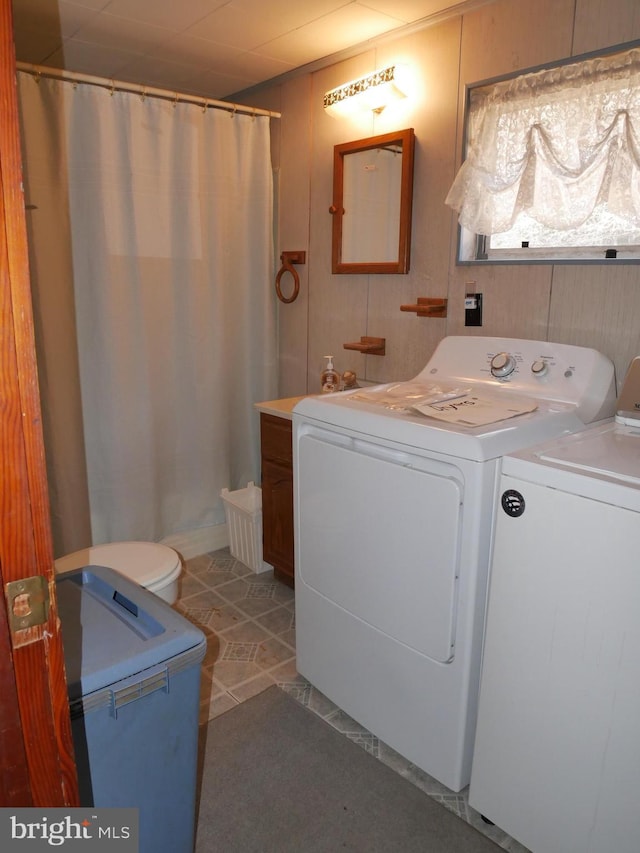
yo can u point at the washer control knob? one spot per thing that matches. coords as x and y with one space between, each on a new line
502 364
539 367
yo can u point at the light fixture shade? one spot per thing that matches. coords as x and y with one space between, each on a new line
373 92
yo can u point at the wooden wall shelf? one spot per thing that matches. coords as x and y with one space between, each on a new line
368 345
427 307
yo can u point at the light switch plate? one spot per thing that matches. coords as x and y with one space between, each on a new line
473 309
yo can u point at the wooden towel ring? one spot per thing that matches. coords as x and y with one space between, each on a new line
288 259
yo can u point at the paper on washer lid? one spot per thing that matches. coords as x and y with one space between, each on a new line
405 396
477 409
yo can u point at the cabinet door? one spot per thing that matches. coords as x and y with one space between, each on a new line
277 495
276 439
277 517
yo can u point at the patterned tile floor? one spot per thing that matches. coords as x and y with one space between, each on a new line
249 621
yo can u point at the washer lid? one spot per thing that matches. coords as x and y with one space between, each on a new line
611 451
418 432
145 563
628 406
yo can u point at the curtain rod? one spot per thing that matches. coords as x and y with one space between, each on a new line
120 86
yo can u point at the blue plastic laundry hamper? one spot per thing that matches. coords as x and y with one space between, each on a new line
133 675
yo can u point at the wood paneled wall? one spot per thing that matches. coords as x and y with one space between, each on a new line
596 306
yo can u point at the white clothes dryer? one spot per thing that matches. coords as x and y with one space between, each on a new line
393 512
557 752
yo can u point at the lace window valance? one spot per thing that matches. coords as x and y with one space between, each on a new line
559 145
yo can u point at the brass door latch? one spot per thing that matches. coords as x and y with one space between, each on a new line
27 602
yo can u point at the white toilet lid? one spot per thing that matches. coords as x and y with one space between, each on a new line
148 564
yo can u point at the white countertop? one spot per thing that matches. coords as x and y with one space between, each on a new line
280 408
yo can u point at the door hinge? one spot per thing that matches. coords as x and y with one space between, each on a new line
27 602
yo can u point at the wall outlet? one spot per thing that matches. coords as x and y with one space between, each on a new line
473 309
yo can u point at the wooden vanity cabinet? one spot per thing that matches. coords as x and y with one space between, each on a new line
277 495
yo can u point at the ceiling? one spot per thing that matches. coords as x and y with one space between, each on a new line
213 48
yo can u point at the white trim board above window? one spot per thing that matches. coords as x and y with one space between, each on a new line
552 168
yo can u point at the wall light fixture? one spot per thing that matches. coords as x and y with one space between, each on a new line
373 92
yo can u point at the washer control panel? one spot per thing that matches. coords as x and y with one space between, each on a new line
561 373
513 366
503 364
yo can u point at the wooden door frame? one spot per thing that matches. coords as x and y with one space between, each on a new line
37 765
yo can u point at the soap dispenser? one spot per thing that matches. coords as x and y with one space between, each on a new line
329 379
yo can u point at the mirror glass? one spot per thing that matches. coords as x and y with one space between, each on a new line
372 199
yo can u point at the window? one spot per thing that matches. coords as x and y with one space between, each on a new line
552 170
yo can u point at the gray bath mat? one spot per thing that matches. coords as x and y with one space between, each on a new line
278 779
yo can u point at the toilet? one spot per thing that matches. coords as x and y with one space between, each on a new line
151 565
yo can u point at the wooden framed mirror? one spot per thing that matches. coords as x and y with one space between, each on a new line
372 200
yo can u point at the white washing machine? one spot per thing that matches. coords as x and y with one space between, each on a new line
393 527
557 754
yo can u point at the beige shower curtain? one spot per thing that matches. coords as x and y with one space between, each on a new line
152 262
